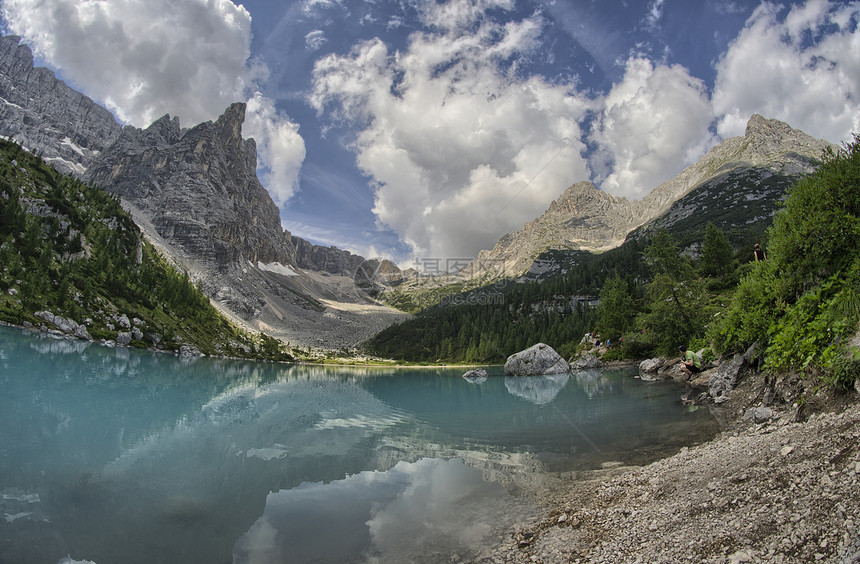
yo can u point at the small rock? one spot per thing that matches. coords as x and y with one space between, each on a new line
476 376
586 362
786 450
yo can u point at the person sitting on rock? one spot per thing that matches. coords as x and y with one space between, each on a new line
690 362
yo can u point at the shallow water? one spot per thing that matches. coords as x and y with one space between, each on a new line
118 455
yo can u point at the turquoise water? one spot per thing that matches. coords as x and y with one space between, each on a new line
119 455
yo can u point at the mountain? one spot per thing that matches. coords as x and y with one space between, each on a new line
72 262
587 219
195 194
65 127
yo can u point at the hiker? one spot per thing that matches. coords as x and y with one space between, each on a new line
690 362
759 253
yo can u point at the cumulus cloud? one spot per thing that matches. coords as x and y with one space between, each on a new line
280 148
450 139
653 123
803 68
147 58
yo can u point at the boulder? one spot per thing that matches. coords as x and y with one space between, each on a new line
476 376
123 338
189 352
586 362
723 381
537 360
651 365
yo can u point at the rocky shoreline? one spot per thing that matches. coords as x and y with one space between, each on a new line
778 490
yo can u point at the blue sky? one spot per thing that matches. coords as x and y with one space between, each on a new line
420 129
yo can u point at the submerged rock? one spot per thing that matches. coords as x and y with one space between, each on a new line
537 360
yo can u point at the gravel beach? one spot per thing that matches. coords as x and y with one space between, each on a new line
778 489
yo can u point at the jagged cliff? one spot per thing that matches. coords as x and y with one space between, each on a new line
585 218
198 188
195 192
43 114
196 195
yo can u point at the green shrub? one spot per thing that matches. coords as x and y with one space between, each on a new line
612 355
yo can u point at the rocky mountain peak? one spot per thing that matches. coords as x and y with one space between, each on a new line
230 124
46 116
586 218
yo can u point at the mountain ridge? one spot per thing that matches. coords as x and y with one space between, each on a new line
582 207
195 194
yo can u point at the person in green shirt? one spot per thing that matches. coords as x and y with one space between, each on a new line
690 362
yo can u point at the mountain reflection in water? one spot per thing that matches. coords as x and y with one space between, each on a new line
119 455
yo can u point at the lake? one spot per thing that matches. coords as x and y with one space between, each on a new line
118 455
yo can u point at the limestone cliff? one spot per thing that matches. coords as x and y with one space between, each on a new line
198 188
46 116
195 193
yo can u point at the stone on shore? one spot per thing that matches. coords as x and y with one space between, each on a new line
65 326
586 362
651 365
537 360
724 380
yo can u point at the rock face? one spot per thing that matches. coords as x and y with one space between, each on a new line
195 194
46 116
537 360
198 188
584 218
726 377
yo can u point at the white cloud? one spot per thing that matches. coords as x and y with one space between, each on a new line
280 148
655 14
315 40
448 138
147 58
803 69
653 124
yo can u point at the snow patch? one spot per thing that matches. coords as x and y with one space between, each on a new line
78 168
8 103
277 268
68 143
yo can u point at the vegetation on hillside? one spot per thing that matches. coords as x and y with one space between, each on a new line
803 303
69 248
693 282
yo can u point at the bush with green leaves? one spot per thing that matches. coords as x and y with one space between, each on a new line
803 303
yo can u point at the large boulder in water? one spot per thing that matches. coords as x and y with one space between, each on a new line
538 360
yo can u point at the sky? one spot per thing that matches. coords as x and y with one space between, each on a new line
424 130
